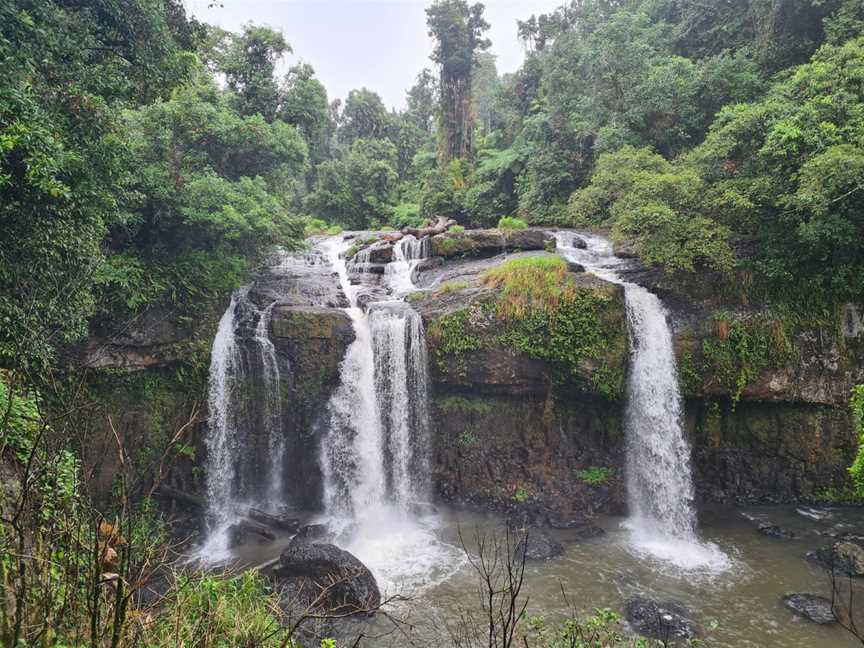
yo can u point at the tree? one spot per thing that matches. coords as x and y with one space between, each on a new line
484 91
303 103
363 117
358 188
458 32
249 62
212 189
422 98
66 70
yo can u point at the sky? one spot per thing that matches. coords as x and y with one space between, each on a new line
381 45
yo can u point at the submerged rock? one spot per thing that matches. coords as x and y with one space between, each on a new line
810 606
537 544
774 531
662 620
305 568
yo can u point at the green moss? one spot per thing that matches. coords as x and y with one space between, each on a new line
462 404
540 312
451 336
856 471
595 475
741 351
510 223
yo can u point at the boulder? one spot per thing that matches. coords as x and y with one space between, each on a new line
537 544
663 620
489 242
352 587
850 557
810 606
846 556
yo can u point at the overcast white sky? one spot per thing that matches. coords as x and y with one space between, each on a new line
381 44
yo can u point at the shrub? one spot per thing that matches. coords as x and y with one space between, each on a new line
510 223
456 229
594 476
857 468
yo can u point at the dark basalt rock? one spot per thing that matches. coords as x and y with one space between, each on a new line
352 587
537 544
664 620
810 606
845 556
774 531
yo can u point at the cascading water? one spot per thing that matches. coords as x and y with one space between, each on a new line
659 478
245 405
375 456
407 253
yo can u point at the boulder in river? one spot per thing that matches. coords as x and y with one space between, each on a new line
846 556
810 606
305 567
663 620
537 544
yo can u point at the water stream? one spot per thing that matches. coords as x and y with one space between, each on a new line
660 490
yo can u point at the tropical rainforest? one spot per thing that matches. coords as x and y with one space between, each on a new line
150 162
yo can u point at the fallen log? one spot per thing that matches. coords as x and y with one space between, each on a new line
184 498
281 522
437 225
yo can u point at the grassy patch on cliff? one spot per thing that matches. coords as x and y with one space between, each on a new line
739 352
541 312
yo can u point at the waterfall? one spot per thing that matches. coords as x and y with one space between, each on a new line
407 254
376 451
272 402
375 456
245 420
220 441
660 489
401 390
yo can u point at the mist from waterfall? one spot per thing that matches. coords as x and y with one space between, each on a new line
660 492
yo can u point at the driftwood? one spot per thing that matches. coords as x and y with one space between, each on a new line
259 522
438 225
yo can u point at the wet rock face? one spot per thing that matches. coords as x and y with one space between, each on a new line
811 607
663 620
756 452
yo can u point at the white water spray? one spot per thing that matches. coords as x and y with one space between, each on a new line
659 478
